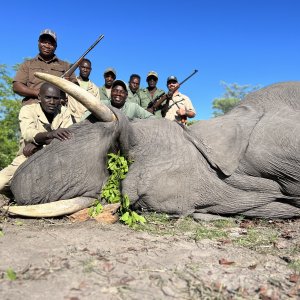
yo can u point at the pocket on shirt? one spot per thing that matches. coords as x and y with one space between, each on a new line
58 70
32 79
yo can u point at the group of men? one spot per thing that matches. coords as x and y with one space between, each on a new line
176 107
47 112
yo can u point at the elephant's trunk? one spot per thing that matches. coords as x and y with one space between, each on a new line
99 110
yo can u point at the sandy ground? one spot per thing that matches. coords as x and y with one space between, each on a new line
58 259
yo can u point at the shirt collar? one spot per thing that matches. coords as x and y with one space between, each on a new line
54 58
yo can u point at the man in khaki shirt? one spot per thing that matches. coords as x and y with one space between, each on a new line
180 106
40 123
76 108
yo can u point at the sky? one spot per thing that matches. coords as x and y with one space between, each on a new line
245 42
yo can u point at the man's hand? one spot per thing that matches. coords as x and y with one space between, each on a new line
31 148
45 138
61 134
150 109
181 111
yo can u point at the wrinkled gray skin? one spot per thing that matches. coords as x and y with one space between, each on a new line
246 162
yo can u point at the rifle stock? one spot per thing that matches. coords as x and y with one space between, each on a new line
151 104
74 66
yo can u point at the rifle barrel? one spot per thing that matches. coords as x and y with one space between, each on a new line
74 66
195 71
96 42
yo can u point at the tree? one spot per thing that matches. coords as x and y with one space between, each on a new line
233 95
10 105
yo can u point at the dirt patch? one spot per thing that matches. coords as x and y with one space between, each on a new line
175 259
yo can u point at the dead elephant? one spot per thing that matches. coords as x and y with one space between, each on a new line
246 162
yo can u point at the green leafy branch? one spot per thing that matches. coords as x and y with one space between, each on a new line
129 216
95 209
118 167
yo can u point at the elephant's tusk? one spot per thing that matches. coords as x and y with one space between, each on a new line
52 209
101 111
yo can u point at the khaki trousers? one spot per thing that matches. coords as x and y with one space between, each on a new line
7 173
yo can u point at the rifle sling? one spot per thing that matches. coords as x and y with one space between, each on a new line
175 103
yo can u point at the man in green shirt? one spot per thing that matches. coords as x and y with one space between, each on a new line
109 75
151 92
135 95
119 94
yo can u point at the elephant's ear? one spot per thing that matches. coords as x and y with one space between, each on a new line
224 140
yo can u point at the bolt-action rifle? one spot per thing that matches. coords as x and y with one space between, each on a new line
157 101
74 66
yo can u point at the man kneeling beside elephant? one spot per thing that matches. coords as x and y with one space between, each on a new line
40 123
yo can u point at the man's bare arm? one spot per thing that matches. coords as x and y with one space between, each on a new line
45 138
25 91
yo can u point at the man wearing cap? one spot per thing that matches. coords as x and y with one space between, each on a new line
25 83
119 94
109 75
180 106
134 93
151 92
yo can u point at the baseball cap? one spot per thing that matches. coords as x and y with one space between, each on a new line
152 73
112 70
121 83
49 32
173 78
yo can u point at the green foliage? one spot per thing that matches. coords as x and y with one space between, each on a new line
10 105
118 167
11 274
95 209
233 95
129 216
